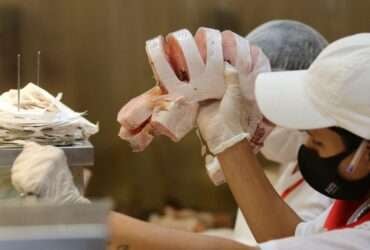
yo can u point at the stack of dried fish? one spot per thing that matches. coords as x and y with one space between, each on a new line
41 118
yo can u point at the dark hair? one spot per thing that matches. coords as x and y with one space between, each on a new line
350 140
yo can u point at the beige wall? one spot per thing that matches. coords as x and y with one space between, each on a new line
93 51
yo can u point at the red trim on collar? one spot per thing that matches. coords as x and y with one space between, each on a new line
342 211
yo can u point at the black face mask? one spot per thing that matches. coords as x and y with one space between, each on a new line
322 174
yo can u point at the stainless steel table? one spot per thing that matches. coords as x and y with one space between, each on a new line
49 227
81 155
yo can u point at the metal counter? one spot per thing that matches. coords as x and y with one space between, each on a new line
81 155
47 227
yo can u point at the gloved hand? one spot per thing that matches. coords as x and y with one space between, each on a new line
43 171
249 63
222 124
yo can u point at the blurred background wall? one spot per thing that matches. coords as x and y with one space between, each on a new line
93 52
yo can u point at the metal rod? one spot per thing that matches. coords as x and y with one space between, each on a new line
19 80
38 67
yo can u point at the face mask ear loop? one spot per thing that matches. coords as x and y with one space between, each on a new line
358 155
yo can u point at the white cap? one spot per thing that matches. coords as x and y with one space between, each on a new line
334 91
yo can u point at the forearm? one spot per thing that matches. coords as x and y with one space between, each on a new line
128 233
268 216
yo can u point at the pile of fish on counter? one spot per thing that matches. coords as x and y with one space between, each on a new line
42 118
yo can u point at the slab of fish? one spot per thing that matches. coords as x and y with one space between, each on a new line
188 70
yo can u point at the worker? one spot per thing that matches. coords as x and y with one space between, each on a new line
330 101
289 45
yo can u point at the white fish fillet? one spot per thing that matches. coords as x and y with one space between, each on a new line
188 70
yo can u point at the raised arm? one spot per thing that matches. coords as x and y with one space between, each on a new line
224 128
268 216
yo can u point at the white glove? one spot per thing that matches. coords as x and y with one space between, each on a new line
211 162
250 118
249 61
221 123
256 126
214 170
43 171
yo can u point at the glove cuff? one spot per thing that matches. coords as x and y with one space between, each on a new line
215 172
257 138
229 143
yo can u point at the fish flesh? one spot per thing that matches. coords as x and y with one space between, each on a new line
188 70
